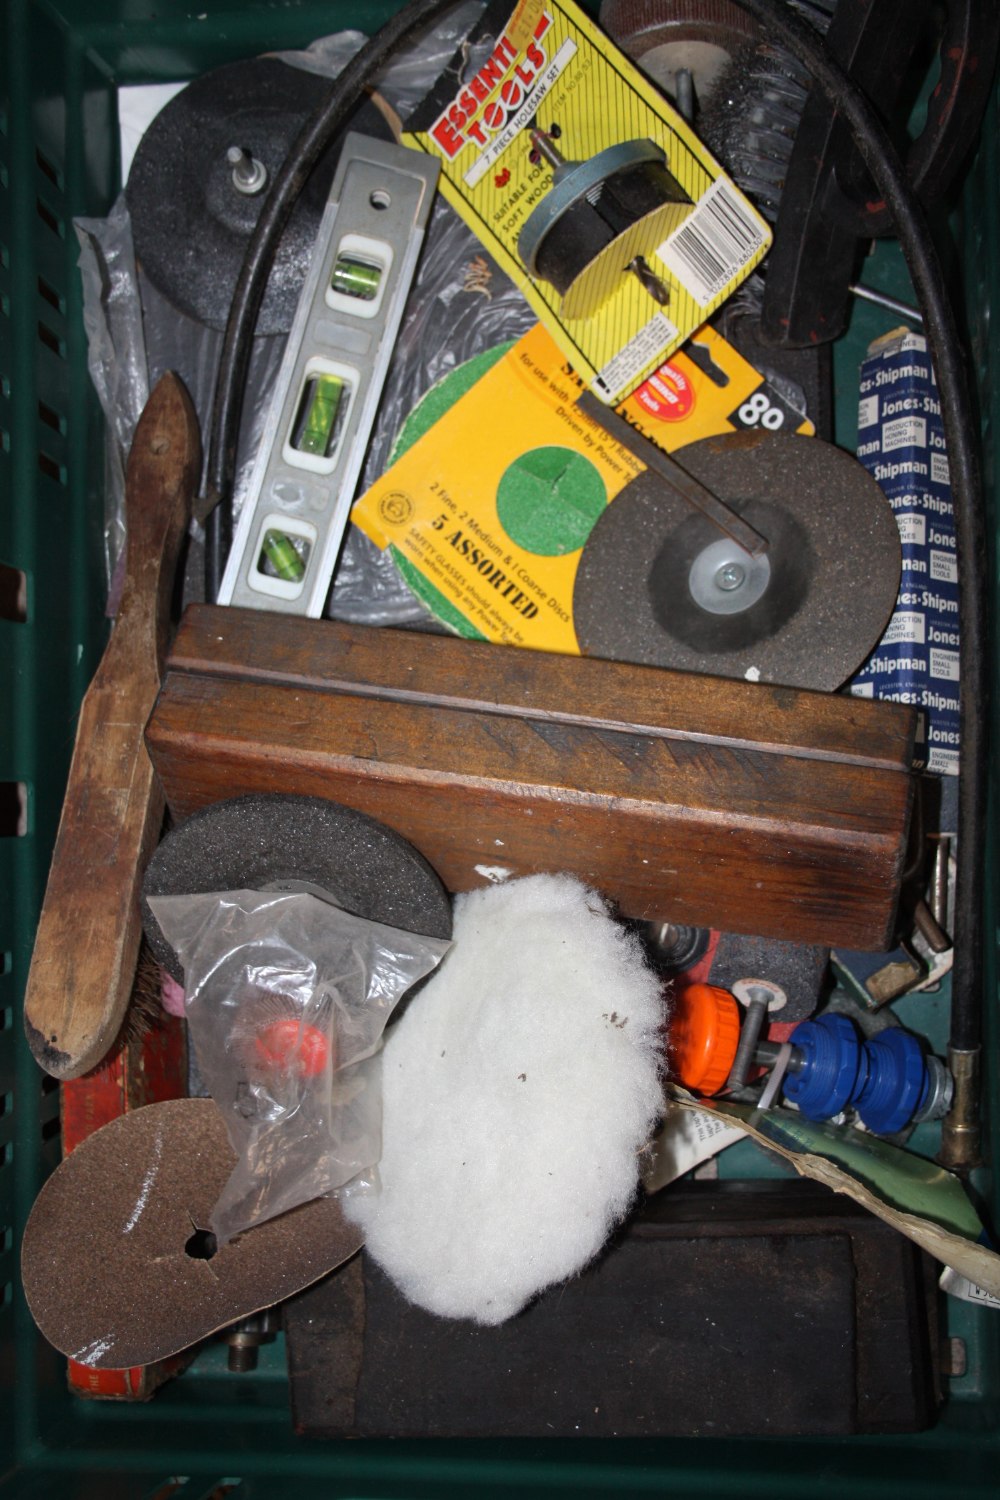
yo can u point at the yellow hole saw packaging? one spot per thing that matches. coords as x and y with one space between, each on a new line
591 192
487 515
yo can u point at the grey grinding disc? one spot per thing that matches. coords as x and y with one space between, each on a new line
807 618
274 842
191 225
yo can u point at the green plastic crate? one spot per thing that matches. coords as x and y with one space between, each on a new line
209 1434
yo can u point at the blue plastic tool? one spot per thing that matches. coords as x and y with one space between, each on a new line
887 1079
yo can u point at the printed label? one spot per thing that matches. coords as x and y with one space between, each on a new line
514 124
905 626
619 373
944 567
944 665
667 395
940 471
713 244
912 529
905 432
765 409
686 1139
957 1285
867 411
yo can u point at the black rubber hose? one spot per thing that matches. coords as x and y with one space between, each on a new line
941 328
312 140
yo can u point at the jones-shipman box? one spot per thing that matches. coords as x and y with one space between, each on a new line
901 443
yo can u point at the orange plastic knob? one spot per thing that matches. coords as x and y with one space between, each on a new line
704 1034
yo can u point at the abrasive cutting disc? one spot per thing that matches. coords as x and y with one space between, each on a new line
660 585
191 224
292 843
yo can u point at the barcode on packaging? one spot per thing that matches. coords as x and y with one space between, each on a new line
716 240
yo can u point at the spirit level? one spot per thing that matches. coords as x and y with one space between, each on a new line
297 505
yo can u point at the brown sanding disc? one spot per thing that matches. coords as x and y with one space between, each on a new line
105 1260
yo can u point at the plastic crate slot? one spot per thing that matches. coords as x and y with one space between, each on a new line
51 340
13 809
6 1154
48 218
6 1014
13 597
168 1487
51 1129
50 468
51 418
6 1105
6 1239
48 168
51 296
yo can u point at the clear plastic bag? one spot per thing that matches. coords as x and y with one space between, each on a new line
286 997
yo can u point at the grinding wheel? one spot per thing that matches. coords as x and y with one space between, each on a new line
658 584
116 1265
293 843
191 223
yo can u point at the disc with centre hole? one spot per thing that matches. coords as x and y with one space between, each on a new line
116 1262
190 222
652 566
296 843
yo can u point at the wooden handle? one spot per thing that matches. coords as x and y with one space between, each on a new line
88 934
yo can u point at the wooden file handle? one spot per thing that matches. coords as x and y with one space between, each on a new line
83 963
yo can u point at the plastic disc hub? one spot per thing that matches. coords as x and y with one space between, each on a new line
831 1060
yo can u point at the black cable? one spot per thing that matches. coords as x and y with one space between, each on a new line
941 329
312 140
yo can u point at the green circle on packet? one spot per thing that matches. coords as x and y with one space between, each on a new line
549 500
440 398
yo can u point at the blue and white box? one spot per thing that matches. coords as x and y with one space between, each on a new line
901 444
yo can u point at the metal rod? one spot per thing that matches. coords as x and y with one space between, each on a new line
892 304
679 480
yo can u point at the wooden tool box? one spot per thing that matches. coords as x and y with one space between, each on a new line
742 806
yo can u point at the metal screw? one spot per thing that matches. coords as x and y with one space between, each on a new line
249 174
730 576
245 1338
759 996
